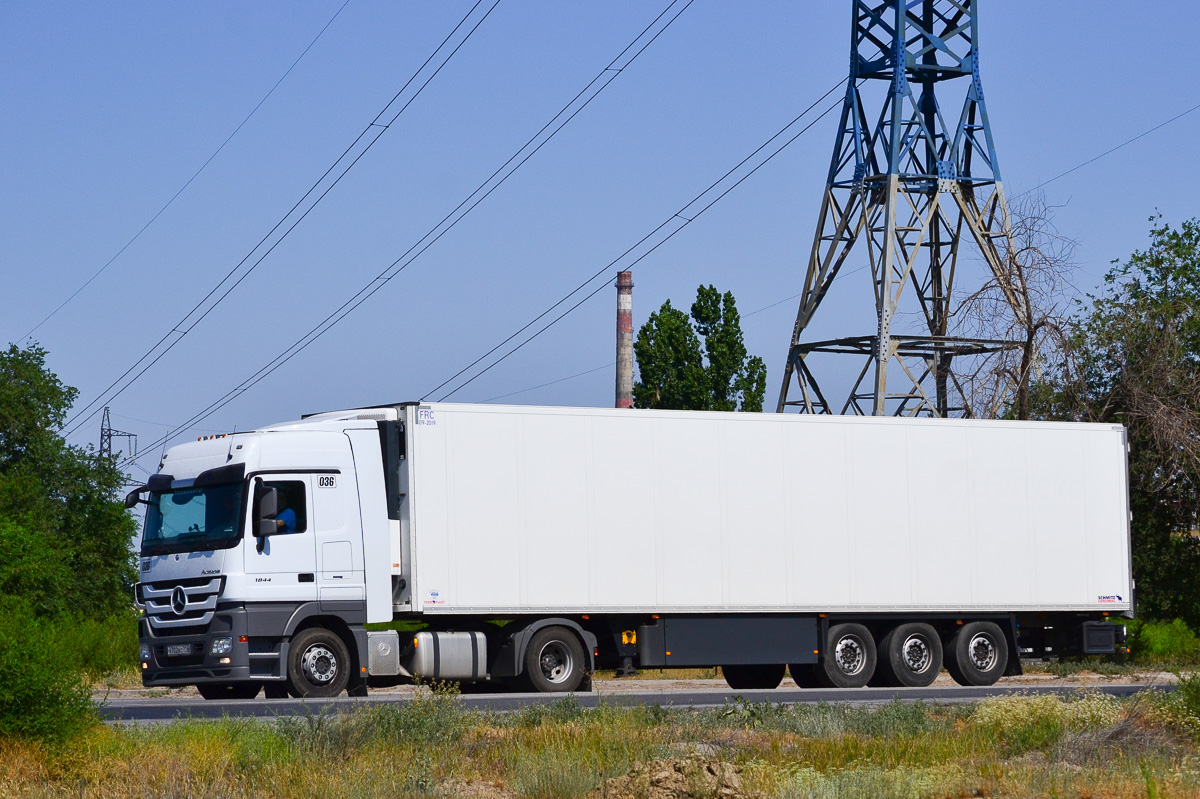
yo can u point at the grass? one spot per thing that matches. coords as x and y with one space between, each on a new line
1088 745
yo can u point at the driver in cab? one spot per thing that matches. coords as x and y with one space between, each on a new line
285 518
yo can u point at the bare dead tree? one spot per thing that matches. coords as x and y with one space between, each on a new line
1038 263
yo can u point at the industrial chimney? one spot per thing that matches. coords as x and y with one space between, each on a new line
624 339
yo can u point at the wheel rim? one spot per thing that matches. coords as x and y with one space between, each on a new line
556 662
319 664
916 653
982 651
850 655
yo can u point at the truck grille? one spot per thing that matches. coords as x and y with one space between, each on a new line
185 603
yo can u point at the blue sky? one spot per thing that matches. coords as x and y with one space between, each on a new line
110 108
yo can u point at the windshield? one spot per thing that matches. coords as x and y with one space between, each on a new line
192 519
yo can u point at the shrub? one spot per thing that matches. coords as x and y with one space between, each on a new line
1163 641
561 711
1024 722
434 719
825 720
101 646
42 695
32 568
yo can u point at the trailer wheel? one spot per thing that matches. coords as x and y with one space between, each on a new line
229 690
554 661
850 658
318 664
750 678
977 654
804 674
910 656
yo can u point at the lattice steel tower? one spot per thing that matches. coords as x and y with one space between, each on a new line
907 185
107 434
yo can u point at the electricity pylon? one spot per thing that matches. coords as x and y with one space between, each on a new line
107 434
908 185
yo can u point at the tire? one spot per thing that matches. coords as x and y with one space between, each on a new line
554 661
849 657
276 690
804 674
910 656
751 678
977 654
229 690
318 664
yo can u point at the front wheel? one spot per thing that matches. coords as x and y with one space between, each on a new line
750 678
554 661
229 690
318 664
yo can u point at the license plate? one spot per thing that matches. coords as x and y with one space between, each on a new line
178 649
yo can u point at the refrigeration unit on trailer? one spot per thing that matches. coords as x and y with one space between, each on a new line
532 545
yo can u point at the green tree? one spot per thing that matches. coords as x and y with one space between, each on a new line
64 534
1134 359
698 362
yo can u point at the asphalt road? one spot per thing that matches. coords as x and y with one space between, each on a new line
160 710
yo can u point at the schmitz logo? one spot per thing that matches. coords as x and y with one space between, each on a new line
1109 598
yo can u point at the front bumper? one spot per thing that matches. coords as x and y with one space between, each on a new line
197 664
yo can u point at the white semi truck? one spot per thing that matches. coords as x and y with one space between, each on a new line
531 545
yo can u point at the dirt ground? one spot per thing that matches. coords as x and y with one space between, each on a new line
675 778
657 685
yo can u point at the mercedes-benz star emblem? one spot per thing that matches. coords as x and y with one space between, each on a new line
178 600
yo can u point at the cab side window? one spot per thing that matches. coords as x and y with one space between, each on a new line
292 516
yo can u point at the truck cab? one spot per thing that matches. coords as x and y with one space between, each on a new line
253 568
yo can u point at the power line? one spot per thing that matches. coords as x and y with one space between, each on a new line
1111 150
613 363
683 214
551 383
81 417
384 277
861 268
195 175
772 305
535 143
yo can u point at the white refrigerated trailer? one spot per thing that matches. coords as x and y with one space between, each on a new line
532 545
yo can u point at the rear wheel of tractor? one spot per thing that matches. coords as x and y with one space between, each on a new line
849 657
318 664
554 661
804 674
229 690
910 655
752 678
977 654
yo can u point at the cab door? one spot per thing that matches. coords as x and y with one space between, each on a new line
339 544
282 567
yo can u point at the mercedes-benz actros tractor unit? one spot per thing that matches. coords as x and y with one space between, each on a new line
528 546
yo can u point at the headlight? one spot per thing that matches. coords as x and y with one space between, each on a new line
221 645
144 651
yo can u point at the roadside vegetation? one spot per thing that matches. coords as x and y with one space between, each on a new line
1021 746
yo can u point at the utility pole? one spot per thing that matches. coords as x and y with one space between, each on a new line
913 177
107 434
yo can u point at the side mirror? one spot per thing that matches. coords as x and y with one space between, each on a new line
266 507
134 497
